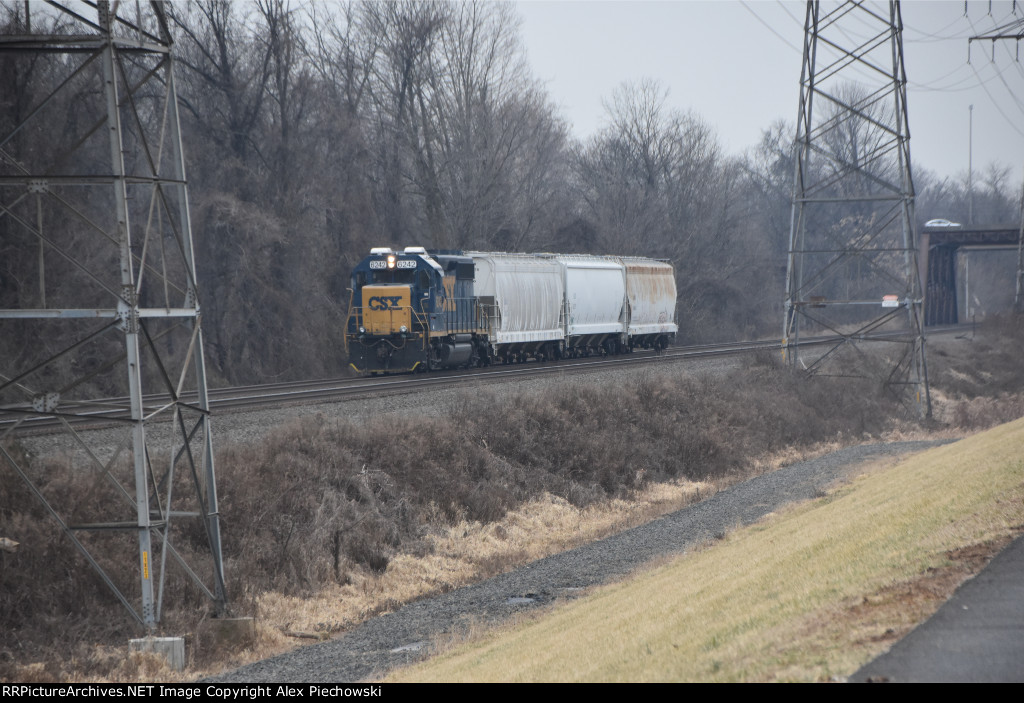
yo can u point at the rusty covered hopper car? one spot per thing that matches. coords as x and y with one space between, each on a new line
651 294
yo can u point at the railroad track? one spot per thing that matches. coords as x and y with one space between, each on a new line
115 410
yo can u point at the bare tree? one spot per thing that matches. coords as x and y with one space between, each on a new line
226 79
652 175
498 136
995 202
466 139
769 184
654 182
341 56
290 92
342 59
402 35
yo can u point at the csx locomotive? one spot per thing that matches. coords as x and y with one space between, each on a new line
413 310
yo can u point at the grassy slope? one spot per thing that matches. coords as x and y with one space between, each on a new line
784 599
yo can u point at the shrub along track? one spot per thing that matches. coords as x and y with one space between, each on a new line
411 632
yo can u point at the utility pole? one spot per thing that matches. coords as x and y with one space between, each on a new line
852 274
1012 31
1018 297
92 183
970 165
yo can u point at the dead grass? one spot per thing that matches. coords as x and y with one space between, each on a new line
978 381
472 551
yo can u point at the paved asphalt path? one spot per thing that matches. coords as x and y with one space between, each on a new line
977 636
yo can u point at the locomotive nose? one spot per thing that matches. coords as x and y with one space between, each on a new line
387 309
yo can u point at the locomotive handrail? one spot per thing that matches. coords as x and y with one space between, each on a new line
466 317
492 310
421 320
481 314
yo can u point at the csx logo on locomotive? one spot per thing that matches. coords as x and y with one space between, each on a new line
380 302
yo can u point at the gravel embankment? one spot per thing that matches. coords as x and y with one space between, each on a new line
406 635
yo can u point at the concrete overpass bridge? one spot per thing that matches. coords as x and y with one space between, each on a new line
939 246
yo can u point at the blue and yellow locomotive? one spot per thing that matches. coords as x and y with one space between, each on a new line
411 310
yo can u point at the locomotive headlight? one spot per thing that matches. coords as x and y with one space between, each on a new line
391 261
362 330
403 329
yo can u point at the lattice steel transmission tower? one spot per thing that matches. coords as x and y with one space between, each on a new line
853 271
99 311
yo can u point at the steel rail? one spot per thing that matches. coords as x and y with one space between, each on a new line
237 398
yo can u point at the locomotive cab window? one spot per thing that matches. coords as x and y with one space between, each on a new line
395 276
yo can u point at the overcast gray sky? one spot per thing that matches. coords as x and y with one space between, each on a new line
737 65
